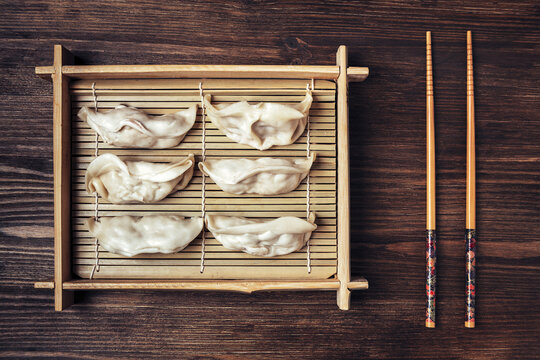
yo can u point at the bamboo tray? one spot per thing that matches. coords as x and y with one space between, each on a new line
169 88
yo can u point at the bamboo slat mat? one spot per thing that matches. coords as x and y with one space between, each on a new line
160 96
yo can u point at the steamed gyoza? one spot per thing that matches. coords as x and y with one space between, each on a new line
262 125
131 235
264 176
122 182
131 127
261 237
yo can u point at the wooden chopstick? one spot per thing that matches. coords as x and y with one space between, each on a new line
470 237
431 236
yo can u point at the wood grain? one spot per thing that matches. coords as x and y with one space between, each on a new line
387 133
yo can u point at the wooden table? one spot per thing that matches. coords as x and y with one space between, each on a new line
387 120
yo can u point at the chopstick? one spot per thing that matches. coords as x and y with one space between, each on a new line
470 219
431 236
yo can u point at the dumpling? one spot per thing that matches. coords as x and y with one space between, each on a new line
132 235
130 127
262 125
264 176
261 237
124 182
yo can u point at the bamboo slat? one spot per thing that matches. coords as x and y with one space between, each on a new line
343 270
224 285
77 226
262 272
215 250
196 71
209 84
317 123
61 166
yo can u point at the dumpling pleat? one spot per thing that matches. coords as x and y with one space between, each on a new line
132 128
122 182
262 125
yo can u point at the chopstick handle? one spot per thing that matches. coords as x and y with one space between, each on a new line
470 291
431 276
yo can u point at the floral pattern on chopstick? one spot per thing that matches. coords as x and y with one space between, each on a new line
470 248
431 276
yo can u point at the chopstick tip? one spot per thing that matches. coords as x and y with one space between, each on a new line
469 36
428 37
470 324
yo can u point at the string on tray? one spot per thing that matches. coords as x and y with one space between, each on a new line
203 185
308 200
96 266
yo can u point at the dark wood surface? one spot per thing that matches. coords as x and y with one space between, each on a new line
387 116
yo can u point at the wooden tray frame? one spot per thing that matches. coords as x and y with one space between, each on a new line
63 71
